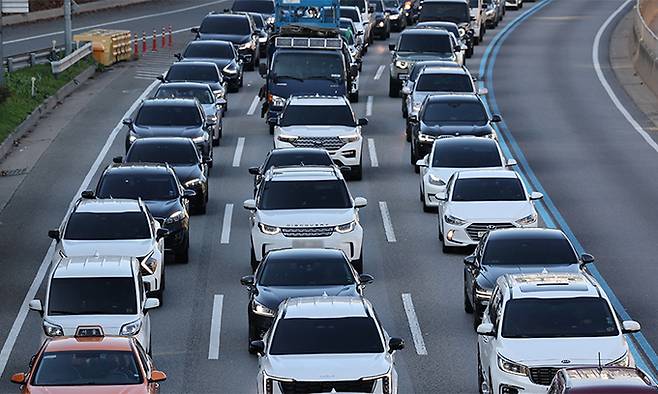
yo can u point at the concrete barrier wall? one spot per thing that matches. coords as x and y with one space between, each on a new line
644 42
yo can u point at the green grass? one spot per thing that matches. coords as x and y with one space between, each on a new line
15 108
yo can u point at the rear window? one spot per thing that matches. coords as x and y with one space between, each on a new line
320 271
174 154
338 336
92 296
204 95
315 115
87 368
425 43
261 7
455 112
193 73
361 4
305 195
134 186
320 158
445 11
546 251
201 49
466 156
87 226
225 25
488 189
169 115
457 83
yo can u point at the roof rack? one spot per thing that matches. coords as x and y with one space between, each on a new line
308 42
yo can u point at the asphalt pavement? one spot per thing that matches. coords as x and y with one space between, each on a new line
572 142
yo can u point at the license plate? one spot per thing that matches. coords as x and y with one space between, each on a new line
403 77
481 234
307 243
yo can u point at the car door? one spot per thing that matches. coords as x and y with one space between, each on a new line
488 343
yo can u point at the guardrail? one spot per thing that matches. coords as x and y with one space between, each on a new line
645 43
24 60
68 61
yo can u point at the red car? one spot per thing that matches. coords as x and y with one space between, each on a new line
603 380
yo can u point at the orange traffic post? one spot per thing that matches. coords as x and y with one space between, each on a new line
155 41
171 37
143 42
164 40
136 44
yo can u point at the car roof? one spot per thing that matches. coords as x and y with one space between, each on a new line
112 342
550 285
317 100
325 307
525 234
421 31
108 205
169 102
442 69
591 377
466 140
454 98
96 266
303 173
498 173
194 85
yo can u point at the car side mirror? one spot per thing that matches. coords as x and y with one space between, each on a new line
366 279
157 376
360 202
178 56
469 261
248 281
496 118
395 344
195 30
511 163
362 122
406 90
249 204
536 196
630 327
151 303
257 347
88 194
486 329
54 234
161 78
35 305
586 258
18 378
117 159
254 170
391 47
210 121
128 122
262 69
483 91
189 193
162 233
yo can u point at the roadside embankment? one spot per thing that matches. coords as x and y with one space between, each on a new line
644 42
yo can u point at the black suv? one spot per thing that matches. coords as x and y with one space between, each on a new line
237 28
159 188
511 251
382 27
222 53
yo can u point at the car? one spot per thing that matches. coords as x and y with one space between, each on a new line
222 53
416 45
463 41
382 27
287 157
478 19
305 207
514 4
213 108
535 324
494 12
355 353
292 273
264 8
396 16
355 53
355 16
608 380
182 155
203 72
110 227
238 28
172 118
353 27
326 122
449 115
103 294
82 363
517 250
479 201
367 16
450 155
414 72
158 186
263 32
458 47
436 80
455 11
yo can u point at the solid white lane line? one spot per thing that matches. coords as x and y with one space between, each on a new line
379 72
599 73
16 327
254 104
369 106
136 18
226 225
215 327
414 326
238 152
373 153
388 225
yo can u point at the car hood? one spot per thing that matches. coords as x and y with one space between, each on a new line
162 208
317 131
221 63
130 247
187 172
490 211
306 217
127 389
284 87
173 131
272 296
234 38
563 352
489 273
327 367
456 129
111 324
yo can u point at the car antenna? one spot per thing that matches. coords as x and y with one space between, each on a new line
600 366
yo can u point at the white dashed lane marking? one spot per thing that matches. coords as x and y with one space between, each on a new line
414 326
386 219
238 152
226 225
215 327
373 153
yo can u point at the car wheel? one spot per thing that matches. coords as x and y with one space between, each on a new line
183 253
241 80
354 97
480 377
408 132
159 294
426 208
215 141
445 248
469 52
271 129
358 263
356 173
393 88
468 307
252 336
477 316
150 351
254 262
202 207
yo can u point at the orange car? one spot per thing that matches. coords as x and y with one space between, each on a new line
90 364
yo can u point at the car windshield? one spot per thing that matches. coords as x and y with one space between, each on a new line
319 158
225 25
168 115
445 11
209 50
314 115
134 186
558 318
338 336
488 189
466 156
258 20
261 7
350 13
425 43
457 83
193 73
529 251
87 226
92 296
87 368
318 271
455 112
361 4
304 66
391 3
174 153
331 194
204 95
378 6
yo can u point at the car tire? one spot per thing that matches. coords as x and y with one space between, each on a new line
480 377
393 88
469 52
202 207
445 248
150 351
426 208
477 317
241 80
159 294
358 263
408 132
468 307
271 129
215 141
354 97
183 253
356 172
254 262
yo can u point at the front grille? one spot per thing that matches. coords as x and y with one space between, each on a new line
543 376
347 386
306 232
474 229
328 143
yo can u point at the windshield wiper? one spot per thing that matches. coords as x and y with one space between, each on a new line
277 77
322 77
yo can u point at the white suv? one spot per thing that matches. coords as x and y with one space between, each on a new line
305 207
327 344
326 122
115 227
479 201
537 324
96 293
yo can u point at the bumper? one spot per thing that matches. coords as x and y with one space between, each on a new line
397 22
431 191
273 112
458 236
399 74
379 28
377 389
423 148
177 233
501 380
348 155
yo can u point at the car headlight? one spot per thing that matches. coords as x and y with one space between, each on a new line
132 137
247 45
350 138
52 330
219 93
512 367
276 101
623 361
461 31
262 40
230 69
455 221
415 107
287 138
482 294
269 230
270 20
149 265
436 181
193 182
401 64
530 219
394 16
212 118
261 309
346 228
175 217
201 139
380 24
426 137
132 328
